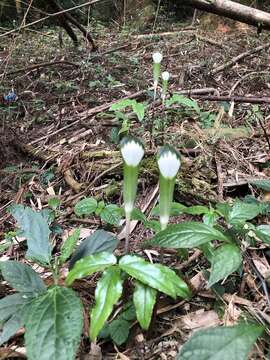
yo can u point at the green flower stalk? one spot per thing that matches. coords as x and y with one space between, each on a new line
169 164
132 152
157 58
165 81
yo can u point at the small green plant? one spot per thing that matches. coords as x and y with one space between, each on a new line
157 58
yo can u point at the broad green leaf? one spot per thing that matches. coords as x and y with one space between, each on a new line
10 328
241 212
226 259
122 104
54 203
186 235
156 276
137 214
85 206
144 298
36 231
111 214
108 291
138 108
153 224
263 232
69 245
176 209
224 210
99 241
119 331
222 343
210 218
261 184
182 100
196 210
89 265
22 277
54 326
11 304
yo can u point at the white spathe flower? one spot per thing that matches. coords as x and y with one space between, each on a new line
132 152
157 57
168 164
165 75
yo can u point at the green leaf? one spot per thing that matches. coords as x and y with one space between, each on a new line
54 326
119 331
144 298
89 265
69 245
222 343
36 230
108 291
196 210
156 276
85 206
138 108
263 232
111 214
137 214
54 203
241 212
153 224
122 104
226 259
13 311
22 277
186 235
97 242
182 100
261 184
176 209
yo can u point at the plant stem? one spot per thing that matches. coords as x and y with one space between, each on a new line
127 233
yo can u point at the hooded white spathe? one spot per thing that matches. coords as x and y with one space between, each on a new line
168 164
157 57
132 153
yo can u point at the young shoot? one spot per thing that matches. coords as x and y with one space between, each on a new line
157 58
132 152
169 163
165 80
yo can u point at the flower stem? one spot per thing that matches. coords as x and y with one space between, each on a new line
127 233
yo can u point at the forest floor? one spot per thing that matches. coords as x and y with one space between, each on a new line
60 139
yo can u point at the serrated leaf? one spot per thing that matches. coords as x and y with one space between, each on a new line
223 343
69 245
119 331
36 231
261 184
54 326
22 277
156 276
97 242
226 259
186 235
144 298
263 232
89 265
111 214
85 206
241 212
108 291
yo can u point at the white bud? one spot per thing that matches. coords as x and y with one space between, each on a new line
132 152
165 75
157 57
169 164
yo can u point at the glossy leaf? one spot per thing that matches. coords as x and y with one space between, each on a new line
186 235
108 291
69 245
241 212
54 326
22 277
144 298
36 231
89 265
85 206
111 214
97 242
263 232
156 276
226 259
222 343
